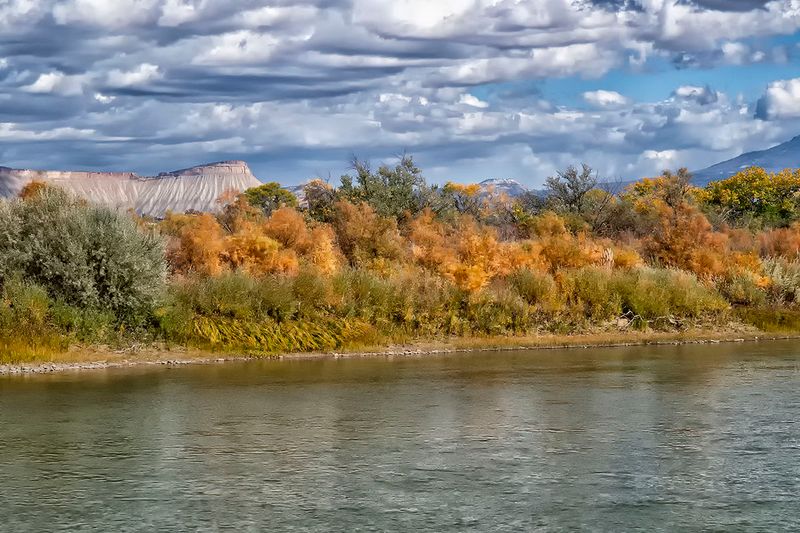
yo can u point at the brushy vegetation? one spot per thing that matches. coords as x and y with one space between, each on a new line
387 258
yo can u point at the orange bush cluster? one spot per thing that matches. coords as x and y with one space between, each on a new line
201 244
663 225
781 242
471 255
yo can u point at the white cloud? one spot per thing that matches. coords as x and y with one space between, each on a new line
103 98
239 47
272 15
662 156
414 17
141 75
602 98
472 101
57 83
781 100
14 132
105 13
700 95
586 59
290 76
177 12
14 13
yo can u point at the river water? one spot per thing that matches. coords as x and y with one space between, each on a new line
614 439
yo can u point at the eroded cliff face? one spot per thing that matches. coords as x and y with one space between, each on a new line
191 189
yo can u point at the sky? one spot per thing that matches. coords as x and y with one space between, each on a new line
473 89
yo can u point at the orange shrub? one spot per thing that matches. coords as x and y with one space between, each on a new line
287 226
323 253
626 258
237 212
783 242
31 189
195 245
468 253
559 248
740 239
683 238
255 253
365 236
431 246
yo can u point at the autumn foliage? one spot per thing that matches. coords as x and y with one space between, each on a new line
386 257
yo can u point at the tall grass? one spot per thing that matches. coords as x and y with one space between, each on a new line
648 294
34 327
356 307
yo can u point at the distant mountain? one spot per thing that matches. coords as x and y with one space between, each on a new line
190 189
786 155
503 186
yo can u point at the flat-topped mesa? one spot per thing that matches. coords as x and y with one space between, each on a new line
223 168
190 189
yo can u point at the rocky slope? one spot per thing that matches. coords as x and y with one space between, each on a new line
190 189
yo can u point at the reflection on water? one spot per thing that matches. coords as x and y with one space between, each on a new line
690 438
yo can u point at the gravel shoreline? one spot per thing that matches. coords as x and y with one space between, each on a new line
77 366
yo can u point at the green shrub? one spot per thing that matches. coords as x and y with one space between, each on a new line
592 292
26 329
648 293
741 289
25 308
312 291
652 293
645 293
362 294
498 312
87 326
84 255
769 319
538 289
785 276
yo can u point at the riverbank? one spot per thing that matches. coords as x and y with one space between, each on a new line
98 358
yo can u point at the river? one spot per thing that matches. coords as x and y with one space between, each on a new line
614 439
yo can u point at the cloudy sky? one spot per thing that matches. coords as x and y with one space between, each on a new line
472 88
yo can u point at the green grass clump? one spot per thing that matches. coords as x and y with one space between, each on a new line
592 292
770 319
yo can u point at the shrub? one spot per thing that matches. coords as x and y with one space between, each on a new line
497 312
538 289
784 279
26 331
782 242
653 293
649 293
364 236
84 255
742 289
592 292
197 244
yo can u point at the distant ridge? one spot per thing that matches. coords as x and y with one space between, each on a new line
784 155
189 189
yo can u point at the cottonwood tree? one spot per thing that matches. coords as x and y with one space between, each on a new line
567 190
269 197
390 191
